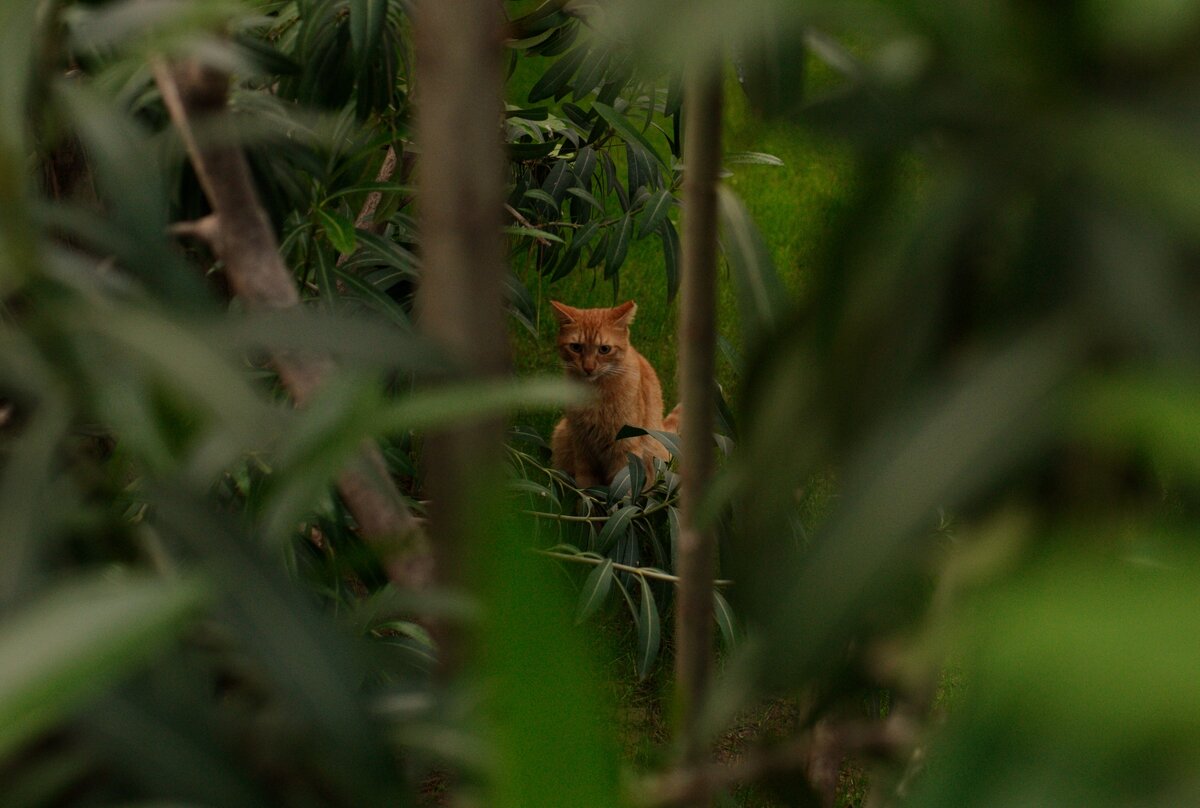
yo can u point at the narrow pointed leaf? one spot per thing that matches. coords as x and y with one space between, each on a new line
595 591
726 623
655 211
670 242
339 230
625 129
761 295
615 527
649 631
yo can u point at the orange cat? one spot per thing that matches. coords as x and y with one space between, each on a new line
594 347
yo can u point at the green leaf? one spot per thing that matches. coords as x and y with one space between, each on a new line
649 631
466 402
637 474
542 196
532 232
559 73
752 158
615 527
586 197
77 640
655 211
372 187
726 623
559 180
536 489
668 439
670 242
339 230
585 165
618 245
591 73
367 18
626 130
761 295
595 591
326 275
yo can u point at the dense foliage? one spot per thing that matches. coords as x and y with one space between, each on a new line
959 490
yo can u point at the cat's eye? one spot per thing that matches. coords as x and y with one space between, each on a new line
576 347
605 348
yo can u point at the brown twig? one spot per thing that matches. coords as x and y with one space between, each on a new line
205 229
698 783
657 575
241 235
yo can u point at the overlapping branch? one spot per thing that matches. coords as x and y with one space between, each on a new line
241 235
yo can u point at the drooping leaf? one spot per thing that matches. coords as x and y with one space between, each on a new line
668 439
649 630
367 19
556 77
615 527
618 245
626 130
595 591
726 622
655 211
752 158
670 243
761 295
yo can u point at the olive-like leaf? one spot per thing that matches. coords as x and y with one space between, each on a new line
595 591
655 211
649 630
626 130
559 73
615 527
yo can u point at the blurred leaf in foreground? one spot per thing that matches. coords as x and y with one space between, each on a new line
1082 678
78 639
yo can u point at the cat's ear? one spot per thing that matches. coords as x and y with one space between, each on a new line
564 313
622 315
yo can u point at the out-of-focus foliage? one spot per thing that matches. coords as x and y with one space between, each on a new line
995 358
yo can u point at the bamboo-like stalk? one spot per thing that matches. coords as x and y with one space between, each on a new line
460 301
694 633
241 235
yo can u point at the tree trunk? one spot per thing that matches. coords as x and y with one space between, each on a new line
460 300
697 340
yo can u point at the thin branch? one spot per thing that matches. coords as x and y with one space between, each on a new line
521 220
698 783
366 216
205 229
566 517
245 241
642 571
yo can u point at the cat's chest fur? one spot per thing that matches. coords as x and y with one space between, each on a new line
616 405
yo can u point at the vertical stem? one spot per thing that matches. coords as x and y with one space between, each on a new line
694 621
461 298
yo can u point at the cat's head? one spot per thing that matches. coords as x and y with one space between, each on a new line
593 343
